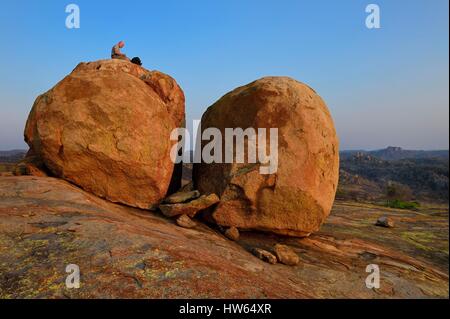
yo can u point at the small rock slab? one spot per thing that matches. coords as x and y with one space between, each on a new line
181 197
190 208
264 255
232 233
185 221
385 221
189 187
286 255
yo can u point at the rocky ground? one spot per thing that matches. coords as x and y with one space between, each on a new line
46 224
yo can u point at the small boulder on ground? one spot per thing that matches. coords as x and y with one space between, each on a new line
185 221
190 208
264 255
385 221
286 255
181 197
232 233
31 165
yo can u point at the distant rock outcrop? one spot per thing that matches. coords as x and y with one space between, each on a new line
298 197
394 153
12 156
105 127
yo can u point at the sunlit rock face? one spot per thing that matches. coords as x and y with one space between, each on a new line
296 199
106 128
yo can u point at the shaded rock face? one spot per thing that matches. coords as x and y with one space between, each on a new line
298 197
106 127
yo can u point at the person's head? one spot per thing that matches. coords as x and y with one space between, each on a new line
121 44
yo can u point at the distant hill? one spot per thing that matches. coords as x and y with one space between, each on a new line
397 153
422 175
12 156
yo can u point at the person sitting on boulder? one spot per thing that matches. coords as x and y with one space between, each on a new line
115 52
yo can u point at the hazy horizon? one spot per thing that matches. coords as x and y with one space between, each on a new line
384 87
341 150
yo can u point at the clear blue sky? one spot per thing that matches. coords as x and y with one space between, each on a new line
384 87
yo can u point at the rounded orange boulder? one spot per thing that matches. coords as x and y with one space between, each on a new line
106 128
296 199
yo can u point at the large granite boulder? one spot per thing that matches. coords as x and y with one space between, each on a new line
106 128
296 199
